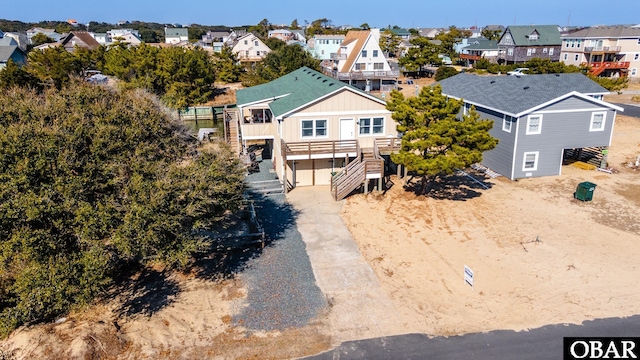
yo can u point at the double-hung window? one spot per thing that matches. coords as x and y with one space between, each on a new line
530 161
371 126
534 124
314 128
597 121
506 123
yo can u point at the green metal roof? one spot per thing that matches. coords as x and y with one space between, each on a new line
548 35
293 90
483 44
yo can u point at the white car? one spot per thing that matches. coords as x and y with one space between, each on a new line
518 71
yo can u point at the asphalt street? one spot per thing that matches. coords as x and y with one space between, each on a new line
542 343
630 110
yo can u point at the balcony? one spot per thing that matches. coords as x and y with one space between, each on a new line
304 150
597 68
365 75
602 49
335 56
470 57
386 146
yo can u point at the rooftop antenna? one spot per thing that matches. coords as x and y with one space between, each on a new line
569 19
514 19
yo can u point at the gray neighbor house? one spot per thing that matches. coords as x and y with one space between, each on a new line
536 117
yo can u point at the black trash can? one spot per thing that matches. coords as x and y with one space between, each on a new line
585 190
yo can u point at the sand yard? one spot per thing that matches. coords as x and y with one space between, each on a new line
583 265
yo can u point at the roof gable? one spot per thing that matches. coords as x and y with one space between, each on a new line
359 38
82 39
295 90
517 95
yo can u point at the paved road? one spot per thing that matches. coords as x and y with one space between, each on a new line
630 110
543 343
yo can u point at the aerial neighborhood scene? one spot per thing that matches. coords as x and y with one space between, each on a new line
231 181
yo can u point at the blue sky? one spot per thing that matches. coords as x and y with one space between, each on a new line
407 13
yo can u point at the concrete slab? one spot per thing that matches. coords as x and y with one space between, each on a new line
359 306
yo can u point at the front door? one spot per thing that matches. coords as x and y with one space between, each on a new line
347 129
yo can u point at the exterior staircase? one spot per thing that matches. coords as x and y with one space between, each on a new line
232 132
368 165
267 187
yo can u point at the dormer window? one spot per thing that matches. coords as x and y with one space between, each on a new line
533 37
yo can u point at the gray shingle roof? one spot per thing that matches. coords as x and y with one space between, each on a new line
517 94
7 51
605 31
294 90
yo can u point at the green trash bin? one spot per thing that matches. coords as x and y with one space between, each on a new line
585 190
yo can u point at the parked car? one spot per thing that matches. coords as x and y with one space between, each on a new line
518 71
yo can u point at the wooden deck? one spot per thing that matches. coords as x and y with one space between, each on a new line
386 146
319 149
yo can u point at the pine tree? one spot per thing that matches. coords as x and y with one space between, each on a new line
435 141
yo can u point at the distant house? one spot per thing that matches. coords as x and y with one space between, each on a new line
81 39
402 33
609 51
519 44
479 48
496 28
299 35
538 119
51 33
476 32
128 36
101 38
20 39
11 52
360 62
429 32
282 34
175 35
213 38
250 48
322 46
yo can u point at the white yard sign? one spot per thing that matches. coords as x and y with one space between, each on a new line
468 275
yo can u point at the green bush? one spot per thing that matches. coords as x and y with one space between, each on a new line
93 181
445 72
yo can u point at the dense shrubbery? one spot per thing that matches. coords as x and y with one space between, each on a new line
181 77
536 66
445 72
92 181
281 61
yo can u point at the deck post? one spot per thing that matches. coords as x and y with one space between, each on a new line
284 177
398 168
366 186
379 184
293 172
